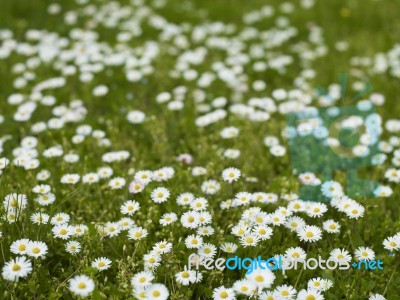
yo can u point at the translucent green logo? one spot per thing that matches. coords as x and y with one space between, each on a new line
337 138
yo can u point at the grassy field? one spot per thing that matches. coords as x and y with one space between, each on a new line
71 75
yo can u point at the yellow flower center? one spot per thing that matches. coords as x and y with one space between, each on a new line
309 234
81 285
156 294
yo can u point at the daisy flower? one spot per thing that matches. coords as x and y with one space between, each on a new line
136 187
245 287
249 239
151 261
137 233
393 175
309 233
277 150
229 132
117 183
17 268
40 218
210 187
63 231
70 179
193 241
364 253
160 195
285 292
355 211
340 255
144 177
229 247
190 219
59 219
36 249
198 171
392 243
231 174
41 189
168 218
207 250
43 175
320 284
130 207
223 293
73 247
295 254
101 263
316 210
199 204
15 201
186 277
126 223
160 175
331 189
90 178
267 295
162 247
242 198
105 172
297 205
276 219
79 230
185 158
263 232
142 279
308 178
294 223
112 229
157 291
81 285
205 231
231 153
20 246
331 226
240 229
185 199
46 199
136 117
204 217
310 294
262 278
